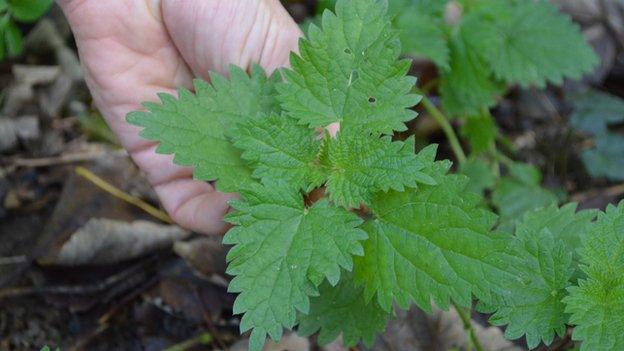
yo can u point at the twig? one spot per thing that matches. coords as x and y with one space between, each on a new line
564 342
105 318
430 85
84 341
612 191
446 127
208 317
103 321
467 321
548 105
202 339
386 343
65 158
13 260
111 189
122 276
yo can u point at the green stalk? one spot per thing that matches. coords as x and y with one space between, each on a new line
465 317
443 121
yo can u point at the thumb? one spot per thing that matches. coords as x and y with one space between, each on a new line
212 34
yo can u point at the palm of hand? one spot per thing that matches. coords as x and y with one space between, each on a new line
131 50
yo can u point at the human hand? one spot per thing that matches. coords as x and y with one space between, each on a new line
133 49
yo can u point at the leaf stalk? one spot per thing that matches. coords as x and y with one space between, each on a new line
444 123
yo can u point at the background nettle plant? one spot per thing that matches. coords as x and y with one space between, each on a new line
12 11
394 227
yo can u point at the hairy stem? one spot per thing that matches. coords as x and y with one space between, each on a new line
465 317
443 121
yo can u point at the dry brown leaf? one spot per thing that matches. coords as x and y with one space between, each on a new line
289 342
415 330
25 129
105 241
585 11
336 345
205 255
22 90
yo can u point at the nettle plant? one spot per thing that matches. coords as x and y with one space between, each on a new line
331 232
481 47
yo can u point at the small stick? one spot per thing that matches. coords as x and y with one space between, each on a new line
76 289
439 117
111 189
64 159
467 321
105 318
208 317
13 260
612 191
84 341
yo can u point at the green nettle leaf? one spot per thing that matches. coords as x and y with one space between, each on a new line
28 10
597 303
528 42
195 127
481 131
541 271
540 265
348 72
361 164
2 41
519 193
431 7
430 244
422 29
565 224
595 113
606 158
422 35
283 251
281 149
13 39
343 309
467 87
480 175
323 5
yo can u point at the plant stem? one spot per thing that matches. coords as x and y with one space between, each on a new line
504 159
465 317
429 86
443 121
118 193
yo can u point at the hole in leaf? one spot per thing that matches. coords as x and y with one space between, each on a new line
353 77
347 51
372 100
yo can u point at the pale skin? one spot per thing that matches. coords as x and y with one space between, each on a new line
133 49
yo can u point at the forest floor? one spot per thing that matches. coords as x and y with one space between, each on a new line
88 261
